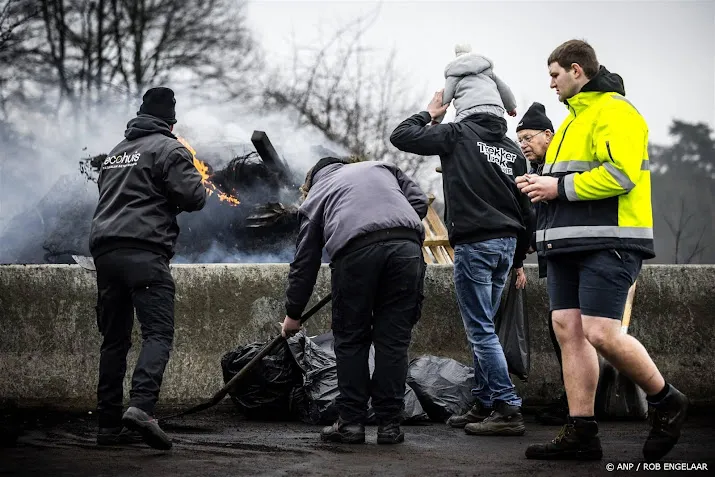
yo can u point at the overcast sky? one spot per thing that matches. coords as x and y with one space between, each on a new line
665 51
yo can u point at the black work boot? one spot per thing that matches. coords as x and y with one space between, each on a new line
555 414
505 420
477 413
112 436
137 420
666 418
390 433
578 440
343 432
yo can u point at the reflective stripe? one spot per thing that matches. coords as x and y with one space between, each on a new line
570 166
619 176
622 98
594 231
581 166
570 188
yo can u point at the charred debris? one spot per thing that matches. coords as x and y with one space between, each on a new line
258 224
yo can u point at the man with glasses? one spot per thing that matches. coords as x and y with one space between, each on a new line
535 132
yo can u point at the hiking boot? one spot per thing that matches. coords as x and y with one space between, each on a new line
505 420
137 420
343 432
666 418
555 414
112 436
390 434
477 413
578 440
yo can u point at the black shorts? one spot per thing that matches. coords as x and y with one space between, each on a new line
595 282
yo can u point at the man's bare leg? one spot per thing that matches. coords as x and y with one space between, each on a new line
578 439
628 356
580 362
624 352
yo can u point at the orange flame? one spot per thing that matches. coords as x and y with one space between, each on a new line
203 169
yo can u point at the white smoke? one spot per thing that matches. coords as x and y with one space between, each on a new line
49 162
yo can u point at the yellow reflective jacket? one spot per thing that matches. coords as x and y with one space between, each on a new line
600 155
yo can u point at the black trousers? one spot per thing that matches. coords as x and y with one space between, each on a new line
377 299
129 279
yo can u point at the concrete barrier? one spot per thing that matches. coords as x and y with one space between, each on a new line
49 343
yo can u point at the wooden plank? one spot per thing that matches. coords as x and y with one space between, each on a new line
443 242
436 248
436 222
270 157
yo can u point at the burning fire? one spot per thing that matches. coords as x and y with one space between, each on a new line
203 169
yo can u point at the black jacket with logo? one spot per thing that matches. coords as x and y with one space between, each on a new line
537 208
479 167
144 183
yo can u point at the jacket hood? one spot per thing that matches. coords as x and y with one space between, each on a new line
488 126
605 82
327 170
145 125
467 64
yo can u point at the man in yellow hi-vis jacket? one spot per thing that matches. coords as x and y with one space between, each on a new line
595 230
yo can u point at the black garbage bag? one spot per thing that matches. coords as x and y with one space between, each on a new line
617 396
512 327
265 393
316 405
315 402
413 413
442 385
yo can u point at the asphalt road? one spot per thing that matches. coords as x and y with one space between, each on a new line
218 442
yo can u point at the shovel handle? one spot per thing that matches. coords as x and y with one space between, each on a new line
266 350
626 321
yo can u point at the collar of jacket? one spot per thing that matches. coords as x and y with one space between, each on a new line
581 101
603 82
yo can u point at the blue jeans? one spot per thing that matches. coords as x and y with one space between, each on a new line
480 274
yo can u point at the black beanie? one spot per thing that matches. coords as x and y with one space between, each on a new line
160 103
535 118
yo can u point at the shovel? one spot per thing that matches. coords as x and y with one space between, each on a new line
85 262
267 349
617 396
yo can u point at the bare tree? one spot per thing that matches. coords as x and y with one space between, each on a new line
91 51
15 17
345 91
689 241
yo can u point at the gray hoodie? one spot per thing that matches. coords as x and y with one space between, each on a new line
346 202
470 81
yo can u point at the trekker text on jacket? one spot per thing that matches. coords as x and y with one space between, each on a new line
479 167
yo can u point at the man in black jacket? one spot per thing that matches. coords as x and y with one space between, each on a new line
535 132
488 222
368 217
144 183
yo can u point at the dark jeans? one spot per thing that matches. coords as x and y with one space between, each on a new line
480 275
377 298
129 279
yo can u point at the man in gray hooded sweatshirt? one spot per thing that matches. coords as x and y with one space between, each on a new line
368 217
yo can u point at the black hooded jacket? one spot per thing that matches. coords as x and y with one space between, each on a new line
144 183
479 167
